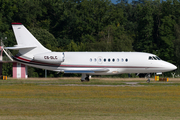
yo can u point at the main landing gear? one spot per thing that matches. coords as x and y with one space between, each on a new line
85 78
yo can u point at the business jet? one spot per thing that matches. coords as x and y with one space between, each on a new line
33 53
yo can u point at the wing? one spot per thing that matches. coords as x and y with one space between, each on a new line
87 71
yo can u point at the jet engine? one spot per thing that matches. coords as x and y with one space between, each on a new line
50 57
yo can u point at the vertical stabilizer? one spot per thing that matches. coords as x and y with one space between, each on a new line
27 44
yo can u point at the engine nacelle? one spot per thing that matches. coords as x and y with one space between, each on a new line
50 57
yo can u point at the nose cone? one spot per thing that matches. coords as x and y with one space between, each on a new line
169 66
172 67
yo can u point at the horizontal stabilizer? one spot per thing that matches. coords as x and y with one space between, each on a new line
86 71
18 47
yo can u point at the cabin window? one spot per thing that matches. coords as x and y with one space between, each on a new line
126 60
113 59
109 60
94 59
90 59
99 59
122 60
104 60
117 59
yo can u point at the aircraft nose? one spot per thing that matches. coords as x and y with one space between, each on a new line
170 67
173 67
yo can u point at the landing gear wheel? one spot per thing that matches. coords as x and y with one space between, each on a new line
148 81
87 78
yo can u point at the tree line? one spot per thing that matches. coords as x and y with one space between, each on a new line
96 25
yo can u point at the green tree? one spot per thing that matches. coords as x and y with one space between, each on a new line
177 43
7 69
93 15
144 38
46 38
72 46
8 9
28 12
167 35
122 41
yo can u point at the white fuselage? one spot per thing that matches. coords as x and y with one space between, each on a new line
104 62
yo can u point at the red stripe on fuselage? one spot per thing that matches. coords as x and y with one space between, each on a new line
34 62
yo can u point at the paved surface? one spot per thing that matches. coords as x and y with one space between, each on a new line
114 79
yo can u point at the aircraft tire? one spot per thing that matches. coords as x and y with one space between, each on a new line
148 81
87 78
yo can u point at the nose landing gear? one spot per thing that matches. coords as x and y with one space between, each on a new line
148 76
148 81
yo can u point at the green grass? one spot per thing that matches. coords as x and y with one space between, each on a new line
60 82
50 99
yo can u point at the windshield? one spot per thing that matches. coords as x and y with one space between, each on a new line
154 58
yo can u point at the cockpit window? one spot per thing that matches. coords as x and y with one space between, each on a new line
154 57
150 58
158 58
